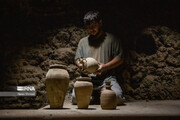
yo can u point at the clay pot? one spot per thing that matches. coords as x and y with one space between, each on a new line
57 81
108 98
89 64
83 90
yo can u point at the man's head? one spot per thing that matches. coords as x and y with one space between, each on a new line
93 22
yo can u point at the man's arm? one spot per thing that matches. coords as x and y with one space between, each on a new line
116 61
110 65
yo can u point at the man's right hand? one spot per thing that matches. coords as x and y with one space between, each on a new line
80 66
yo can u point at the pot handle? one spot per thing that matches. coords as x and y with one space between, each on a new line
83 61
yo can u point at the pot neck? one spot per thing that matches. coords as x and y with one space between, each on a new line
58 66
84 79
108 85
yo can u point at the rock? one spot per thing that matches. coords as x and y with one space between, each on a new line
138 76
73 71
126 75
150 78
28 81
158 64
161 56
66 55
171 61
162 49
173 52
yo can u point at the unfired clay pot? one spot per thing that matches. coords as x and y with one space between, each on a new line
83 90
108 98
57 81
89 64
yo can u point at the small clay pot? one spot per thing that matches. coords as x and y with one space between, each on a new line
57 81
108 98
83 90
89 64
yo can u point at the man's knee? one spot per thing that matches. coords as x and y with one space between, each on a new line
117 89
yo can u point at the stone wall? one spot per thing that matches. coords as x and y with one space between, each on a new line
154 73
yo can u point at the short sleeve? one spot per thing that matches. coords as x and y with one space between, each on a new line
117 49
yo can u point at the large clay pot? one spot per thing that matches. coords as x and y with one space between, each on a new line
57 81
83 90
89 64
108 98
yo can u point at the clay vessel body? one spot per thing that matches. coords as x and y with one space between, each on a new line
89 64
83 90
57 81
108 98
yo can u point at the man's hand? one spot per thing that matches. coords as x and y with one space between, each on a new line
110 65
102 68
80 66
84 72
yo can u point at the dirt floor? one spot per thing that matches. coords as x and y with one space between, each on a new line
137 110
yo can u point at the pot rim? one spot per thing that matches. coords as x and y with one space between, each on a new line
58 66
83 79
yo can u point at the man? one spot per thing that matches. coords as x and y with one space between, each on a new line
103 47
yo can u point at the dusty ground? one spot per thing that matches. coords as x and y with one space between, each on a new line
166 110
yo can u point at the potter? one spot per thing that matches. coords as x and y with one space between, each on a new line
101 52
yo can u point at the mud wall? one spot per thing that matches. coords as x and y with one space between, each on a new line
36 34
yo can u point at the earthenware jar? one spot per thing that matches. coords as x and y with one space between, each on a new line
57 81
83 90
108 98
89 64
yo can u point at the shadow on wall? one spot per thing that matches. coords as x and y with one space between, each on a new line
146 44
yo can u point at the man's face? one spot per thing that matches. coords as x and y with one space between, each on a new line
94 27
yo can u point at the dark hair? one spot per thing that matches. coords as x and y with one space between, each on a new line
92 16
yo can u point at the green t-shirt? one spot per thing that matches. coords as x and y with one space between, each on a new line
107 50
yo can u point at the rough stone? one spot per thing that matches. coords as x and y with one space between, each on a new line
171 60
160 69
